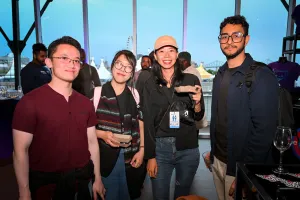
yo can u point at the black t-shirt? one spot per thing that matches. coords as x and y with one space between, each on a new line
121 102
86 80
143 77
221 125
34 76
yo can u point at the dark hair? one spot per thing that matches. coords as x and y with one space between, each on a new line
151 56
64 40
131 59
185 56
178 74
236 20
82 55
36 48
145 56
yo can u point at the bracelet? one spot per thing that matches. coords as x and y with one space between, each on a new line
197 103
141 146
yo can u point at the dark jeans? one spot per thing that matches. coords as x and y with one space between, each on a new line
185 163
61 186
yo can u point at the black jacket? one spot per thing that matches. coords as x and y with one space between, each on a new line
154 105
252 117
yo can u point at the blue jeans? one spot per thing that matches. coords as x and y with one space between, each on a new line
116 183
185 162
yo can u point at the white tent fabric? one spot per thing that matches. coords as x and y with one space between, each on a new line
103 72
92 63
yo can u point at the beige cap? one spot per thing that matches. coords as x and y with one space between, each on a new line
165 41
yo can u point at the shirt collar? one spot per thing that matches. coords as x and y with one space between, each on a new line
242 68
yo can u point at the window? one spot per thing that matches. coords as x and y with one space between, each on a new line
62 18
110 30
267 28
26 18
6 25
203 28
156 18
203 19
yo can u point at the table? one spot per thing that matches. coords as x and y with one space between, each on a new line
7 108
266 190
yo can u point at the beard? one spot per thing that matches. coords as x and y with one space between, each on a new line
145 67
42 63
232 56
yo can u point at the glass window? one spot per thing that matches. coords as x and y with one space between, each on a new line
156 18
26 15
267 28
203 28
62 18
110 30
5 22
6 25
26 18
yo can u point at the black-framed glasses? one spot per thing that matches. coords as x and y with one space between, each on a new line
119 65
66 60
236 37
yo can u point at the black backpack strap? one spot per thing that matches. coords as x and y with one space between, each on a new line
250 74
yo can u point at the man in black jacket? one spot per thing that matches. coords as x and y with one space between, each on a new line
87 78
242 124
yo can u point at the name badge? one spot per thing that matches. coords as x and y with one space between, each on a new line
174 120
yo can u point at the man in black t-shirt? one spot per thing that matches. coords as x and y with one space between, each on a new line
87 78
35 73
145 73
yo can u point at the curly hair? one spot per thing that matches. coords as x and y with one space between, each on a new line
236 20
36 48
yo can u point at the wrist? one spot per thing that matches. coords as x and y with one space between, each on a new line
24 192
142 149
97 178
102 134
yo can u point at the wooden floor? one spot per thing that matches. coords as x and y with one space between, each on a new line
202 186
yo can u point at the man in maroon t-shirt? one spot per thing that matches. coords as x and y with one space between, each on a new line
56 150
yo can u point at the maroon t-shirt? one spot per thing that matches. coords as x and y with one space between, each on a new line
59 128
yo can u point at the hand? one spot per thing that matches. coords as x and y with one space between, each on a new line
109 139
98 188
232 189
207 160
138 159
197 94
152 167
